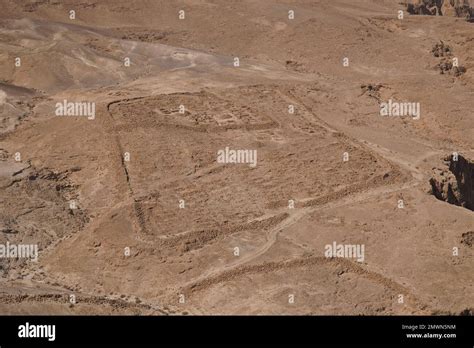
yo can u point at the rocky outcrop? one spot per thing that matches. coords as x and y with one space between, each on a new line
455 184
456 8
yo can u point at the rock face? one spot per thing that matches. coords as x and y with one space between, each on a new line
456 184
456 8
467 238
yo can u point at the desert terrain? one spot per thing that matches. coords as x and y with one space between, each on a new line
133 212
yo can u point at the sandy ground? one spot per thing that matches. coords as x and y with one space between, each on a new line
158 225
